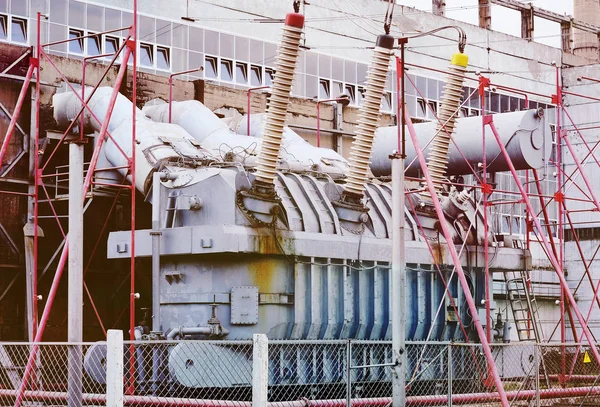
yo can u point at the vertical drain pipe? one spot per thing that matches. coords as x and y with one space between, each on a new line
278 104
437 160
350 207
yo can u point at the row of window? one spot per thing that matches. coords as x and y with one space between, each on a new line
238 72
87 43
13 29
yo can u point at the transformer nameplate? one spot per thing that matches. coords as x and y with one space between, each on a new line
244 305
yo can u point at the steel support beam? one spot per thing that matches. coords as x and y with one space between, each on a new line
485 14
527 24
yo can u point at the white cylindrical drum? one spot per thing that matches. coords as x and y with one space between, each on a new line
525 134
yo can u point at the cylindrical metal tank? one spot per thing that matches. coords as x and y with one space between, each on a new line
525 134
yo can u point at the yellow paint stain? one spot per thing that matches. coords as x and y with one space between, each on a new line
437 252
263 273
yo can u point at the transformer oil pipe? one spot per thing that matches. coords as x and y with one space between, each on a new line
437 161
279 99
493 370
360 152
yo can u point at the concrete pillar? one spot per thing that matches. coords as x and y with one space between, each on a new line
75 300
586 44
438 7
485 14
114 368
260 370
527 25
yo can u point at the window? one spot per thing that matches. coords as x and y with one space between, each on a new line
361 95
269 76
337 89
94 45
3 27
146 55
19 30
226 70
386 101
163 58
463 112
351 92
433 108
76 43
241 73
255 75
210 67
324 89
111 44
421 107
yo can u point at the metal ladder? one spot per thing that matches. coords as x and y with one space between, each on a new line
524 307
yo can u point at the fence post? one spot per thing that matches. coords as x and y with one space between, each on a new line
260 370
114 368
450 375
349 373
537 353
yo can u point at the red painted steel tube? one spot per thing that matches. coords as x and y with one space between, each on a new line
248 108
580 167
134 39
89 295
581 96
16 112
545 244
15 193
171 87
464 398
36 179
62 261
486 245
459 271
45 315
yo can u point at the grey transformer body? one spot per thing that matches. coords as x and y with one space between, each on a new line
296 267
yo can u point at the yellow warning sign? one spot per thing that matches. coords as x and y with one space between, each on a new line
586 358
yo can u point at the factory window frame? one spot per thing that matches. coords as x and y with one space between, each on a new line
94 45
360 95
432 110
146 55
386 102
337 89
241 73
421 108
474 112
324 89
111 44
3 27
163 58
350 90
256 75
211 67
269 76
463 112
76 45
19 30
226 73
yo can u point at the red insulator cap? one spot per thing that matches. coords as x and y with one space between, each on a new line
295 20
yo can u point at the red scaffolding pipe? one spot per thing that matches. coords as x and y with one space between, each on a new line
17 111
545 244
493 370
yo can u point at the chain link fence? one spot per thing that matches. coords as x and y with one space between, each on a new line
299 374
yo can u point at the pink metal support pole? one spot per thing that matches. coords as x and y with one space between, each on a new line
485 189
459 271
36 178
587 182
133 47
171 86
61 264
545 244
16 112
248 108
